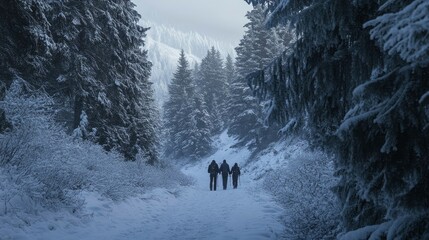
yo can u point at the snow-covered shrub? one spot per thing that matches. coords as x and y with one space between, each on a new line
117 179
303 187
43 167
28 152
18 191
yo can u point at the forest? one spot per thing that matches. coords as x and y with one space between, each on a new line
344 82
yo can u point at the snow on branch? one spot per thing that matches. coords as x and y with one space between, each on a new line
405 32
353 117
424 98
375 79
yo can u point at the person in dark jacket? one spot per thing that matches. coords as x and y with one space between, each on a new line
213 170
235 171
224 169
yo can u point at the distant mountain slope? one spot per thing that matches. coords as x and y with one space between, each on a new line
164 44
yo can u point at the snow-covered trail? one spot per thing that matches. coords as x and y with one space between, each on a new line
192 212
188 213
197 213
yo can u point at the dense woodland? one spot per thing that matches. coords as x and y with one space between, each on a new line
87 56
76 106
355 84
214 95
349 77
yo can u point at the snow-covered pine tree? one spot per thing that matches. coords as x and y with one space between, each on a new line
26 44
201 118
385 134
186 119
88 56
180 91
113 90
337 68
257 49
317 82
261 54
230 73
202 127
244 111
212 85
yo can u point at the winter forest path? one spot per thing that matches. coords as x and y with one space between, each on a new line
192 212
197 213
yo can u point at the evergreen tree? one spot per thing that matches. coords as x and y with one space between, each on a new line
180 90
212 85
108 73
358 72
230 73
87 55
202 119
186 117
201 128
257 49
26 45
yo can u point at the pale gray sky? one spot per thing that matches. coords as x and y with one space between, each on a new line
221 19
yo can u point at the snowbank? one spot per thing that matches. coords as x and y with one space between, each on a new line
47 178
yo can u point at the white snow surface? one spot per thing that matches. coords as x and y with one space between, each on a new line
192 212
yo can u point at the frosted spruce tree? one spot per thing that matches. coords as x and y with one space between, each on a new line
201 118
230 73
212 85
201 132
257 49
88 57
26 45
358 72
244 111
185 119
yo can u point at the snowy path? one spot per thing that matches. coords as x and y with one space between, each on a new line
191 212
187 213
198 213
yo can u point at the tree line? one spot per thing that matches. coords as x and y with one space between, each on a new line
214 95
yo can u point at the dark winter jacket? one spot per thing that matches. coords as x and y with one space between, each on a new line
235 170
213 168
224 168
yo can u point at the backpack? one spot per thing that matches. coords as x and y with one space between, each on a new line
213 169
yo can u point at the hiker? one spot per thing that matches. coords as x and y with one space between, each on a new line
235 171
213 170
224 169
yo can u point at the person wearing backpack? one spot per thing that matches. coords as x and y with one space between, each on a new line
235 171
213 170
224 169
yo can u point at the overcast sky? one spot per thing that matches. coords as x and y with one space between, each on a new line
221 19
